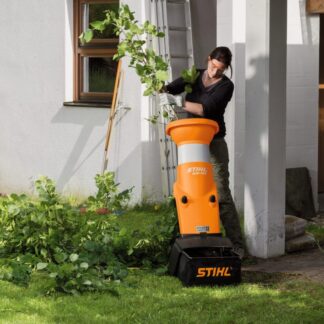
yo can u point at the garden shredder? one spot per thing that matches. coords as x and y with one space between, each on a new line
200 255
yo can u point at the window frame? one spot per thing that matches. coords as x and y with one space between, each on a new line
96 48
314 7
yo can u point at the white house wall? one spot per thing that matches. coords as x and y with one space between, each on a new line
204 30
231 24
302 89
38 135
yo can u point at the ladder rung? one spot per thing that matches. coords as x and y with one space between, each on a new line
177 1
173 28
181 56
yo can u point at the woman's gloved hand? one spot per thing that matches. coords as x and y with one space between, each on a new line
167 99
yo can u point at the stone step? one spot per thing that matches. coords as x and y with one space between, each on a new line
300 243
294 226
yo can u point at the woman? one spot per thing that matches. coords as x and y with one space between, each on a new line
210 95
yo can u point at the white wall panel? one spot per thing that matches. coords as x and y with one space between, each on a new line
302 90
38 135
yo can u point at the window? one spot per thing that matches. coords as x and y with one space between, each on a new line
94 68
314 6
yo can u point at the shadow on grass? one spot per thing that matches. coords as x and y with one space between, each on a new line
267 279
148 298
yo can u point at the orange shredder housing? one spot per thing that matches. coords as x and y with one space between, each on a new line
195 191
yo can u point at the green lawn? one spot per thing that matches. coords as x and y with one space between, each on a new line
318 233
148 298
141 218
145 297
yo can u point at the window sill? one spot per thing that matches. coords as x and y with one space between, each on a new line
86 104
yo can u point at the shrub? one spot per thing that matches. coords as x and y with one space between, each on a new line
79 252
107 195
47 234
153 246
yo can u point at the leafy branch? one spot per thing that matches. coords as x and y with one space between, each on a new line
150 67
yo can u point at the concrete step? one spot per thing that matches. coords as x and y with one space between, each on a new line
294 226
300 243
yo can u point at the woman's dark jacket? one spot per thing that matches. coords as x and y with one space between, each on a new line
213 98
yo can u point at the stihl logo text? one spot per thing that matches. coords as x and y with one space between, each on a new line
197 170
213 272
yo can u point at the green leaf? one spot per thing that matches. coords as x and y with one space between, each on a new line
148 92
74 257
151 28
88 35
190 75
162 75
60 257
84 265
140 69
98 25
41 265
14 196
135 29
14 210
185 74
81 37
188 88
43 252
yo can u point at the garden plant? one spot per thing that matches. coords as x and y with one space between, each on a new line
78 251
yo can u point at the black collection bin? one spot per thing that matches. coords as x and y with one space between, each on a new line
205 261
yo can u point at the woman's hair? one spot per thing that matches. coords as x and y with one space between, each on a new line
224 55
